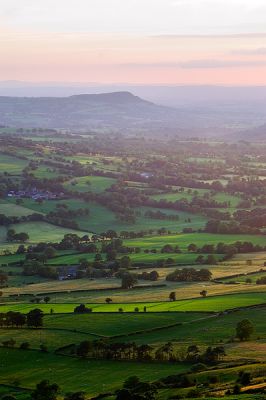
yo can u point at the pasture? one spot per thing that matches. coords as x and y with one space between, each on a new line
183 240
13 210
12 164
208 304
76 374
95 184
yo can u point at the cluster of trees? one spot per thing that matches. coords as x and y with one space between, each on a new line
261 281
211 355
189 275
102 349
12 236
45 390
161 215
168 248
148 276
16 319
3 279
134 389
227 227
255 218
227 249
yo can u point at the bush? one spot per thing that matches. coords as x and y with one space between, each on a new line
24 346
198 367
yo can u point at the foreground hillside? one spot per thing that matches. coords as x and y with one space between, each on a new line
130 269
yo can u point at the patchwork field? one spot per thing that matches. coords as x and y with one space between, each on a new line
208 304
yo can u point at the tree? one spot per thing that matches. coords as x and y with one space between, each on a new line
108 300
125 262
192 247
211 259
172 296
3 278
203 293
75 396
45 391
10 235
49 252
82 309
128 281
35 318
47 299
244 329
84 348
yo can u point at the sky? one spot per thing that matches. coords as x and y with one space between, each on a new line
134 41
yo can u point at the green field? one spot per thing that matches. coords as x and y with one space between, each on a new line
13 210
38 232
183 240
76 374
208 304
95 184
12 164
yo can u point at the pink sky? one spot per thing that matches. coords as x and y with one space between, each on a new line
177 42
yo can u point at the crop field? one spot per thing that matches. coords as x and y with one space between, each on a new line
76 374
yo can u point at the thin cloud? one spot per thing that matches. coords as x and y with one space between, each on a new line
197 64
260 51
209 36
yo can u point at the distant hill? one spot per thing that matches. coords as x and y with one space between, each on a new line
115 111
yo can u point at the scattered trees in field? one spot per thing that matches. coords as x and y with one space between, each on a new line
172 296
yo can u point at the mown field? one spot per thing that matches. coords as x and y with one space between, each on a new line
208 304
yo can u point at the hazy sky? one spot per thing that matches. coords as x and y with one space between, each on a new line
135 41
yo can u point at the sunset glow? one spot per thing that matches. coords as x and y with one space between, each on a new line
114 42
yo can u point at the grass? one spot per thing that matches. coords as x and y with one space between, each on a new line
95 184
212 331
208 304
11 164
43 231
117 324
50 205
173 196
13 210
183 240
91 376
242 279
